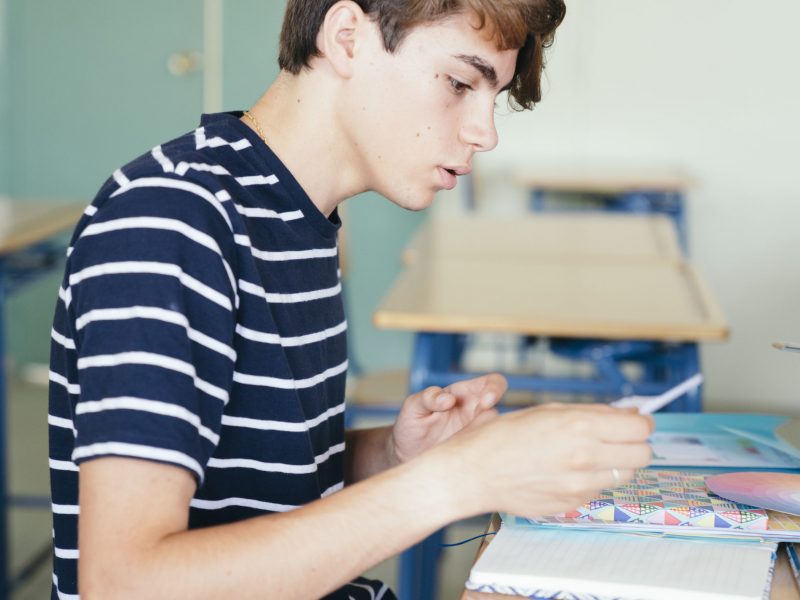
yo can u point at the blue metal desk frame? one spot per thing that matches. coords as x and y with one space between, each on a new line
670 203
17 269
436 360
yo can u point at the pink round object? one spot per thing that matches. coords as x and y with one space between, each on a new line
775 491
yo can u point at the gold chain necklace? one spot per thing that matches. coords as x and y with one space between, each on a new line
260 131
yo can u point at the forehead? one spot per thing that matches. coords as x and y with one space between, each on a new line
460 36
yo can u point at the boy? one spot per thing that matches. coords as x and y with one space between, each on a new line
199 358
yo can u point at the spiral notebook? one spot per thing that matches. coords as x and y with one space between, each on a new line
669 498
581 565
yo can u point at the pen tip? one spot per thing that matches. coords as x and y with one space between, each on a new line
778 345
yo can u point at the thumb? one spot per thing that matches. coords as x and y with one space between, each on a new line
441 401
425 402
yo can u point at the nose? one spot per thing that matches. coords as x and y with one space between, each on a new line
478 129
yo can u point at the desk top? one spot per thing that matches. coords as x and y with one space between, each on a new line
661 301
586 237
27 222
784 586
608 179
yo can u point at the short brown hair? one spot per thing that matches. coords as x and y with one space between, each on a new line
525 24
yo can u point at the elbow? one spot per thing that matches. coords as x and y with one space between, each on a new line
103 581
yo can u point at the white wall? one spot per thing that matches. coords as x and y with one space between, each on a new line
713 86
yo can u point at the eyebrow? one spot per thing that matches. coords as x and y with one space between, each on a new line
483 67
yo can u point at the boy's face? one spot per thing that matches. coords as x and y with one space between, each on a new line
418 115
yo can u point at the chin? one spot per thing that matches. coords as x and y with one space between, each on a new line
413 202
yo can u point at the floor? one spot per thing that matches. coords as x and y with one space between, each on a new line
30 528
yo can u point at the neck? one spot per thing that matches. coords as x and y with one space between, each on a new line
300 123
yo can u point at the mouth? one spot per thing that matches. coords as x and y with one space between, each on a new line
449 175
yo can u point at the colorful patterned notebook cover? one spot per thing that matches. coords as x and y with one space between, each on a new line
666 498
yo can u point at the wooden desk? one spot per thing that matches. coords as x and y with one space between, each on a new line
620 188
597 237
25 225
595 178
604 290
784 586
590 275
645 301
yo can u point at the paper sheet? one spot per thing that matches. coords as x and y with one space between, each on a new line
721 449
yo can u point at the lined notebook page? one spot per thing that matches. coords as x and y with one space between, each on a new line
623 565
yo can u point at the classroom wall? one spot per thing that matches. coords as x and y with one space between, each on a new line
86 93
115 99
705 84
710 85
4 124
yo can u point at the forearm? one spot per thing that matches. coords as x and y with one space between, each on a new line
369 451
302 554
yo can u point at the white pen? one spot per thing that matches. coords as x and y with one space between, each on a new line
650 404
790 346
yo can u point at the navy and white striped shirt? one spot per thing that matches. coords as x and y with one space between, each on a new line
200 324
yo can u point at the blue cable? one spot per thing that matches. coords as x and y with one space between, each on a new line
467 541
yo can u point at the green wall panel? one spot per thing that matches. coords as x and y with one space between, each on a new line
377 231
89 90
4 99
250 58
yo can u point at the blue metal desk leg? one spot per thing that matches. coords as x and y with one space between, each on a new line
3 479
419 564
693 401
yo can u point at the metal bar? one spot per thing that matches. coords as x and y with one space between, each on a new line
28 501
30 264
431 350
3 428
537 200
36 561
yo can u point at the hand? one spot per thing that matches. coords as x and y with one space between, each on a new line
435 414
546 460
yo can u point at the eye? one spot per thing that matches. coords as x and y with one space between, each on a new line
458 87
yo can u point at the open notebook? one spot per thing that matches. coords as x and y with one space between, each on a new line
584 565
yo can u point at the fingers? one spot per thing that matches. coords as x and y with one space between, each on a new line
587 485
601 422
610 456
484 391
622 427
488 389
433 399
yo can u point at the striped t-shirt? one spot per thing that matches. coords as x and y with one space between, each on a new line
200 324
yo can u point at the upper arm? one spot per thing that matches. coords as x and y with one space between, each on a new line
127 506
152 307
151 304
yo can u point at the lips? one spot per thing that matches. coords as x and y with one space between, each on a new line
449 175
448 178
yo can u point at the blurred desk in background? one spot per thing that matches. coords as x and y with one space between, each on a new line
608 288
617 188
585 237
28 249
612 291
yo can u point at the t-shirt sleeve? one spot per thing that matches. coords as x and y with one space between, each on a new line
152 301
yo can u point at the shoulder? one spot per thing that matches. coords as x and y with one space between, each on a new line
176 181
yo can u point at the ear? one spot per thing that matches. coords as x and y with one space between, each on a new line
338 37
